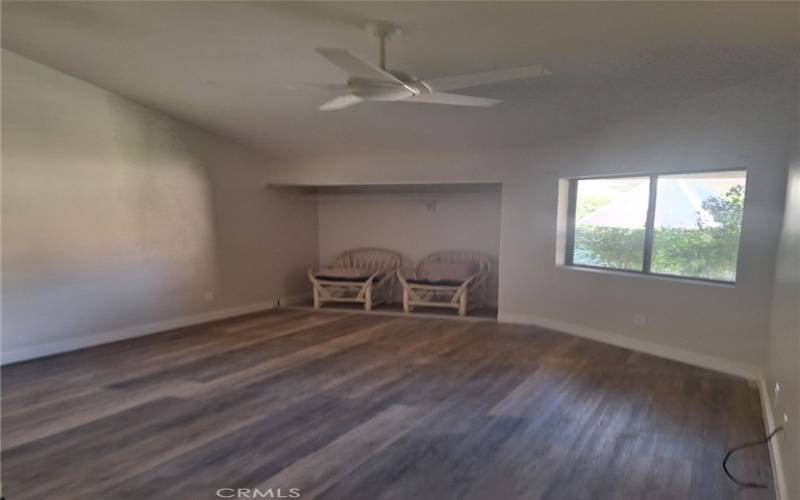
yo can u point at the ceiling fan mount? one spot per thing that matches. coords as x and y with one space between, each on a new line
368 82
383 29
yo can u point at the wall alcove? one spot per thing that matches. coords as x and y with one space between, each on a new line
414 219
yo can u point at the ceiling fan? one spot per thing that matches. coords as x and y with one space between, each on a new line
368 82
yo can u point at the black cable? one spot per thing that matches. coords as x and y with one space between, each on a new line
744 484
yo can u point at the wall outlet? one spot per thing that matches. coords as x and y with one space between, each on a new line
640 319
208 296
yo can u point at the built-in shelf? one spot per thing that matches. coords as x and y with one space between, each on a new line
399 188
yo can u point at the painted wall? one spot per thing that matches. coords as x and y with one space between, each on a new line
411 225
115 216
784 347
746 125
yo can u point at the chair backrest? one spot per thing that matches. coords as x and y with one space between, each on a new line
481 261
371 259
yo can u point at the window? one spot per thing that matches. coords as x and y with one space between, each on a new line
610 220
684 225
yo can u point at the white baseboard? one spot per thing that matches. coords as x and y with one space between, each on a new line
778 477
84 341
736 368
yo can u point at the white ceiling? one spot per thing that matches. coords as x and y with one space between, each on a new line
222 65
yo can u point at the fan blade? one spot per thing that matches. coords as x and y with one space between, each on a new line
487 77
341 102
454 99
354 66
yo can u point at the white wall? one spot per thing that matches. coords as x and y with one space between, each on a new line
784 347
410 225
115 216
746 125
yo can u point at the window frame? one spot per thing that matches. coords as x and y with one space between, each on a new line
649 230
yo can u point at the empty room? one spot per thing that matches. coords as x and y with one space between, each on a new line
400 250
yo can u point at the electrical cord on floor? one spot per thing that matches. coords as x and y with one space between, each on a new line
747 484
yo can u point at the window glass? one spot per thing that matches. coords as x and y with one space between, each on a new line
698 222
610 218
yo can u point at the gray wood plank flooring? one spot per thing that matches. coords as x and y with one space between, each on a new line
354 406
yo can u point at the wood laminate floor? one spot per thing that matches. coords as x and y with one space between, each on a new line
481 313
355 406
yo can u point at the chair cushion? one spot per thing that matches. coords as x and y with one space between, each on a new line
342 274
446 272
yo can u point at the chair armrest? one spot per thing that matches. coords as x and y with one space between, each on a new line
463 288
401 278
388 274
374 276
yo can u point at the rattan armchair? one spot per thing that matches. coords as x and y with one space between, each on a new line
463 294
362 275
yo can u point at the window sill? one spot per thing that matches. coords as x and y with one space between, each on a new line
637 274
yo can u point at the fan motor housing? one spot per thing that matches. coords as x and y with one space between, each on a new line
377 90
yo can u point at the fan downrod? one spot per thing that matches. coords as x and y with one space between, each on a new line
383 30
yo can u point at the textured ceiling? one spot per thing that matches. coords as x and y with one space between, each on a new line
223 65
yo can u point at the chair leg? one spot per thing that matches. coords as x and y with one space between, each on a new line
462 304
406 307
368 299
316 298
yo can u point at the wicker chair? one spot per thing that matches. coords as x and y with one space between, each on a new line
461 294
362 276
